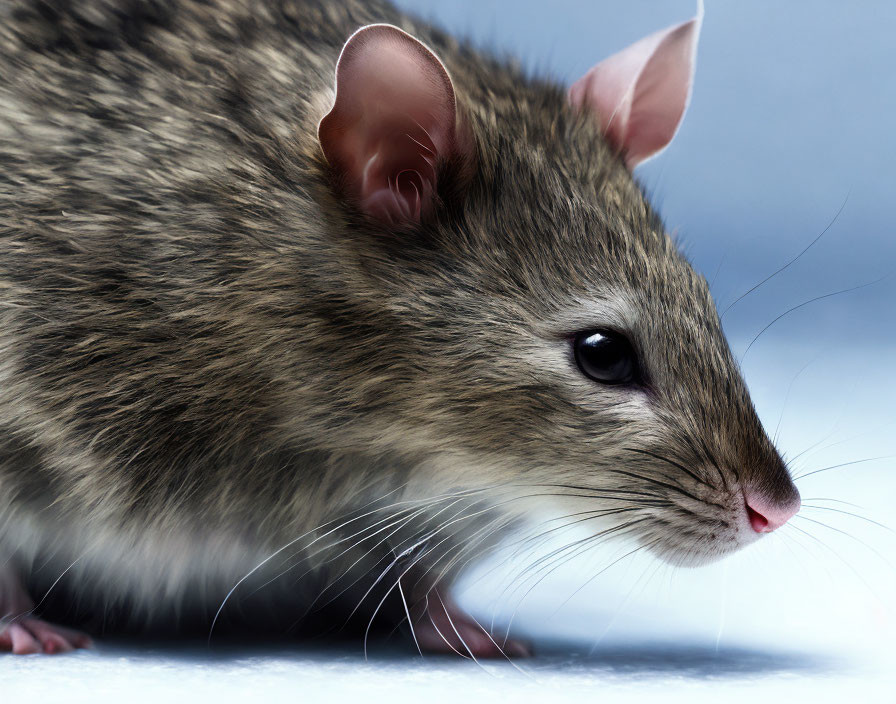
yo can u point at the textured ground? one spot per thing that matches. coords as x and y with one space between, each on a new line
680 674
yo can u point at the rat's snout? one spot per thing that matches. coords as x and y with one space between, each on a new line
765 514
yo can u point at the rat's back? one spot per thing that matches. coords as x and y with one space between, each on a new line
161 190
160 178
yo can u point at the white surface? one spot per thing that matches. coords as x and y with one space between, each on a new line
675 675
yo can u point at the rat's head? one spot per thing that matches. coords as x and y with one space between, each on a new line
534 325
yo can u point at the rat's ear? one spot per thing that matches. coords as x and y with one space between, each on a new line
394 120
640 94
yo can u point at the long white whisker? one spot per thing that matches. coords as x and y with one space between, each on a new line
590 543
459 636
410 620
599 573
29 612
320 537
359 578
439 630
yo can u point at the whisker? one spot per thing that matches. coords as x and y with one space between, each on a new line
386 595
665 485
416 560
55 582
439 630
277 552
873 431
600 572
522 578
587 539
471 543
710 459
788 264
653 569
836 501
410 621
411 513
572 546
715 276
848 535
843 464
529 542
329 532
839 557
543 535
438 579
849 513
454 519
796 539
587 545
390 519
787 398
495 643
457 633
28 612
360 577
810 301
600 492
674 464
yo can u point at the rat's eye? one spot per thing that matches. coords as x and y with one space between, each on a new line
605 356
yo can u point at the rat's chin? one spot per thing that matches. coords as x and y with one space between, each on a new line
692 556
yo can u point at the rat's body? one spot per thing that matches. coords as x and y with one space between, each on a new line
207 351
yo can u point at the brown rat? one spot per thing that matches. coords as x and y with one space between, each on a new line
263 342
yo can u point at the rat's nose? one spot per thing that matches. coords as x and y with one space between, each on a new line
767 514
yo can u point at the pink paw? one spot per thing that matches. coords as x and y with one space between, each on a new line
28 634
445 628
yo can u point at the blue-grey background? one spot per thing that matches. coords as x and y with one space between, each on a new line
792 115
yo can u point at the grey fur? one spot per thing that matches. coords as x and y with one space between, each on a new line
205 353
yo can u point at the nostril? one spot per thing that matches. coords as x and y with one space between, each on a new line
766 515
757 520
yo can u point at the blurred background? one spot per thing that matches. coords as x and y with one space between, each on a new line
788 136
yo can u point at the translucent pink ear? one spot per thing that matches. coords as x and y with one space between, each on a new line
393 121
640 94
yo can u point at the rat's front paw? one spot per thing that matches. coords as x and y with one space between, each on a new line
23 634
29 634
447 629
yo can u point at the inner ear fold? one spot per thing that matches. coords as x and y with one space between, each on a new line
392 123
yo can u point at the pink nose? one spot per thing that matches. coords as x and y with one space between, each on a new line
767 515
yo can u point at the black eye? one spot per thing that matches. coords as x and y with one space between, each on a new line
605 356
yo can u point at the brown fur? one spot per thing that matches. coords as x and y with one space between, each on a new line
205 353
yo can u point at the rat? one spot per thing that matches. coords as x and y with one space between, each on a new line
307 305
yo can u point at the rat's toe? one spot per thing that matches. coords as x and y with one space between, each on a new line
31 635
22 642
447 629
56 639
